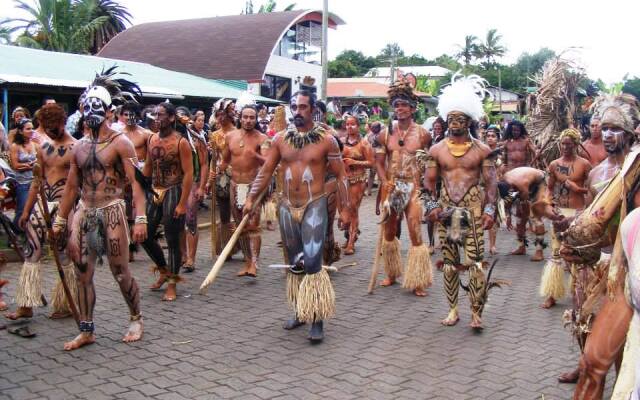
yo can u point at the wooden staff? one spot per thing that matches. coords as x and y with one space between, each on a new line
214 222
56 256
217 266
376 262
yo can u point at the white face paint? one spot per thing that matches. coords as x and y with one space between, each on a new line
612 138
94 112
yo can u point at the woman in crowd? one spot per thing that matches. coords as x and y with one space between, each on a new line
357 156
22 156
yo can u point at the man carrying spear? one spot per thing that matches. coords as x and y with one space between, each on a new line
305 152
54 157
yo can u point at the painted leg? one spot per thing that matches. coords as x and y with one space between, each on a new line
451 279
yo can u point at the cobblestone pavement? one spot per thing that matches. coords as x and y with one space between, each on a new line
230 344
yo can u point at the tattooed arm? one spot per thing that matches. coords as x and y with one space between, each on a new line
186 162
431 173
68 196
381 158
264 174
127 154
34 191
491 188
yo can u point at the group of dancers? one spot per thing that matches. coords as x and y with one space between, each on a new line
116 185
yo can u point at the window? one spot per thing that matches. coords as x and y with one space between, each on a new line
302 42
276 87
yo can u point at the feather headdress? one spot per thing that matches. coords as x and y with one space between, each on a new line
221 105
465 95
113 91
402 90
245 99
619 110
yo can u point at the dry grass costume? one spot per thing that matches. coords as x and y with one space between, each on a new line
401 176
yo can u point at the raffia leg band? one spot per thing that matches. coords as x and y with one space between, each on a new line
540 243
269 211
451 284
419 273
391 257
29 290
552 282
293 288
477 289
316 299
59 302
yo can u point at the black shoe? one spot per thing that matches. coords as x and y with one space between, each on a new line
292 323
315 333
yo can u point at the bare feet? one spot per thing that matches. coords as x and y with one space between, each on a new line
170 293
420 292
135 331
83 339
537 256
162 278
21 312
451 319
550 302
243 271
60 314
348 251
270 226
3 305
570 377
388 282
520 251
476 322
493 250
252 270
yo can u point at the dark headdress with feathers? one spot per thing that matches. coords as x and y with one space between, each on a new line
402 90
111 90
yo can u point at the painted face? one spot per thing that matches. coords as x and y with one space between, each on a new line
94 112
164 119
130 118
458 123
612 138
567 146
248 119
352 126
302 111
403 109
491 138
595 128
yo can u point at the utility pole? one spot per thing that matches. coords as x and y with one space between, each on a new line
324 56
500 90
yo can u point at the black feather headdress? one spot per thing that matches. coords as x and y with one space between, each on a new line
119 89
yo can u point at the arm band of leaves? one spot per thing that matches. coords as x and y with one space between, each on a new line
60 222
431 205
141 219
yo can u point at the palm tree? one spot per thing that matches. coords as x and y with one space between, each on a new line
491 48
268 7
469 50
73 26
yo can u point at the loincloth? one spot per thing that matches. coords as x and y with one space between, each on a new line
94 221
162 192
359 177
223 181
472 242
589 290
297 213
239 193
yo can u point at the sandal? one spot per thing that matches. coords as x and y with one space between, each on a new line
22 331
188 268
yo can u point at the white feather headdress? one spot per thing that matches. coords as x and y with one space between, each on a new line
619 110
245 99
465 95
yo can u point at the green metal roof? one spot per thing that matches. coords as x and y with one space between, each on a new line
20 65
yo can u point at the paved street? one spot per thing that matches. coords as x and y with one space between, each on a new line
230 344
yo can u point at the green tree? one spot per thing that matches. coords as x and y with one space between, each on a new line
469 50
342 68
491 48
632 86
358 60
73 26
390 50
268 7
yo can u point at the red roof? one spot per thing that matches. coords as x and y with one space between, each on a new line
234 47
358 87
